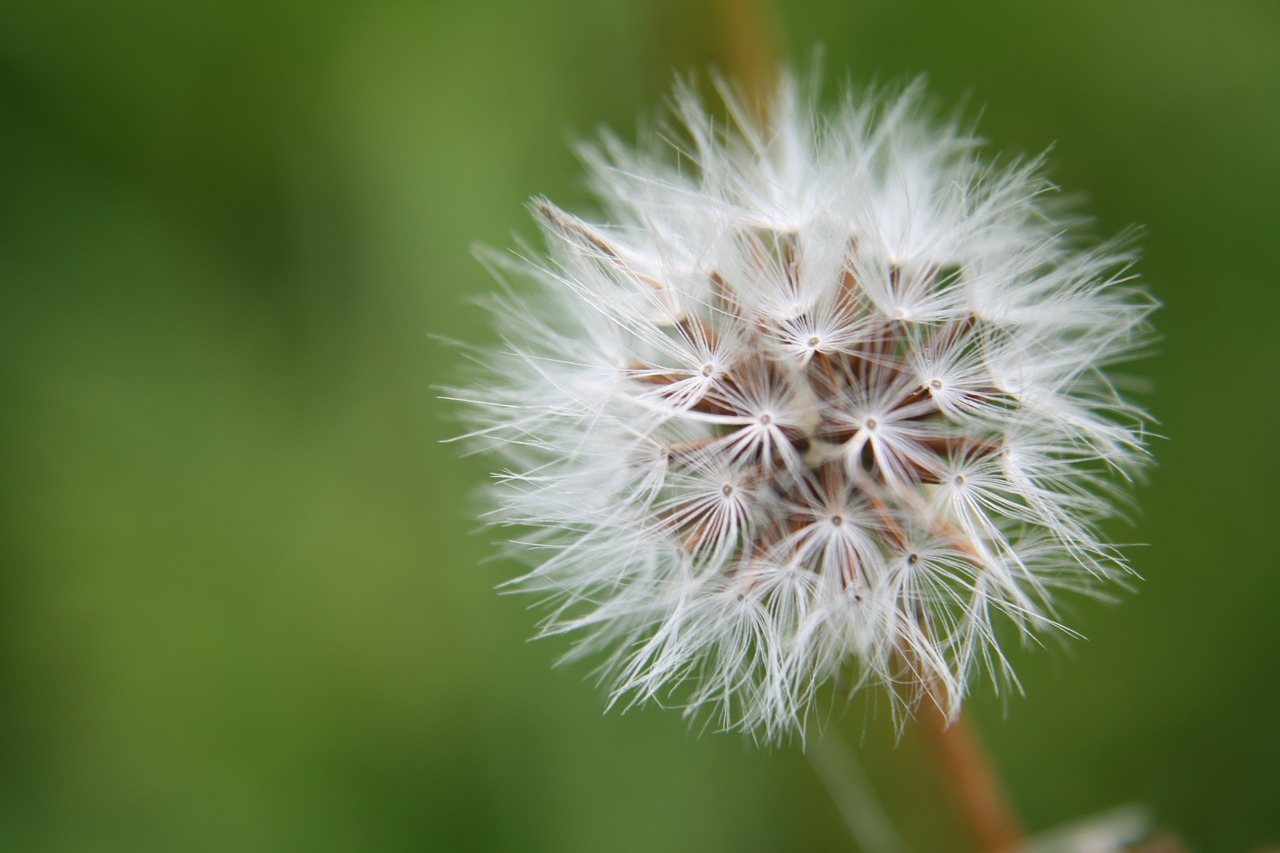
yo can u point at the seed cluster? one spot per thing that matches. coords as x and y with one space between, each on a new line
833 401
856 433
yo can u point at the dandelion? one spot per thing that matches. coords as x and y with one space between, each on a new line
813 398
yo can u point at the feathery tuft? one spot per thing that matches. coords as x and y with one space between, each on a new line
821 396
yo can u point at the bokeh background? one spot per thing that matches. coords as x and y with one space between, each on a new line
243 601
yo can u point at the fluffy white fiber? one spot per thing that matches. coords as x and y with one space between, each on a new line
814 395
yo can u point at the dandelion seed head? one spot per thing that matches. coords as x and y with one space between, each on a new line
815 397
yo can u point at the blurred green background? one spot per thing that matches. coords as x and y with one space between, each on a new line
242 599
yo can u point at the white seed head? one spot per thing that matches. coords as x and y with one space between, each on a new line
816 397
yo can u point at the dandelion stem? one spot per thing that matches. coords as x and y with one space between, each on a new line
751 33
970 779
